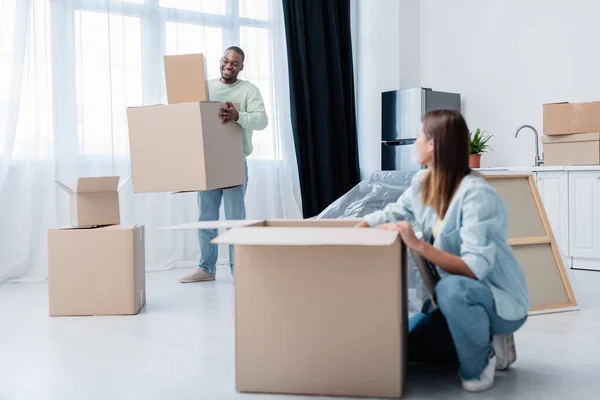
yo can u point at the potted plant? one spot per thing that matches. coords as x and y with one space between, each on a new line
478 146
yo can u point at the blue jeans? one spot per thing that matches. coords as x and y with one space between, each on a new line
461 329
209 203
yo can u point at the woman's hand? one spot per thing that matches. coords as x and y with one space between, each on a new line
362 224
406 233
449 262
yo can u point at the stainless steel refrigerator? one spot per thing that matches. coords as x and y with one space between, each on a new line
401 112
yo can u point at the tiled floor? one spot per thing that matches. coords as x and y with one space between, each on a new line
181 347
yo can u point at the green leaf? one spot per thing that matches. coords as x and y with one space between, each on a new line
478 142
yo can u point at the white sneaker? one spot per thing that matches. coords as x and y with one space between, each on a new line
485 381
197 276
506 353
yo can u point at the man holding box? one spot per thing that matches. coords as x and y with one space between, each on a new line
251 116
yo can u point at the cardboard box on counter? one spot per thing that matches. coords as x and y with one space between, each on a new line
576 149
184 148
321 307
96 271
186 78
94 200
569 118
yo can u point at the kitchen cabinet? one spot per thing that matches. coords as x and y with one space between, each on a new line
584 219
571 199
553 187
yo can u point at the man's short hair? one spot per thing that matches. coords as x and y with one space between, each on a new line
237 50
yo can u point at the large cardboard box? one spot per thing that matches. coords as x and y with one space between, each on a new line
320 307
186 78
568 118
576 149
94 200
184 148
96 271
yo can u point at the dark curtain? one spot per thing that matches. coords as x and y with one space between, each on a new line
323 113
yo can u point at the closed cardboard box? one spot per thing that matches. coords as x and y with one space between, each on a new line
94 200
184 148
320 307
577 149
96 271
569 118
186 78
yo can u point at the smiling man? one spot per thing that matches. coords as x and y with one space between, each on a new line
251 116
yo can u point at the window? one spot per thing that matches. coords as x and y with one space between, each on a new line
33 138
254 9
118 47
252 40
7 22
106 85
204 6
184 38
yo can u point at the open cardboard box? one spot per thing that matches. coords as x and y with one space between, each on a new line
321 307
94 200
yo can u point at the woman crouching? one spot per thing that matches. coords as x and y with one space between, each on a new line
482 295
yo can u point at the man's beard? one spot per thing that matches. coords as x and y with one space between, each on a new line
230 79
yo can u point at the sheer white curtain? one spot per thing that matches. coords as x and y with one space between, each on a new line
69 69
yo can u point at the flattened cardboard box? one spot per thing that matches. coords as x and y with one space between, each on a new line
576 149
94 200
569 118
186 78
184 148
320 307
96 271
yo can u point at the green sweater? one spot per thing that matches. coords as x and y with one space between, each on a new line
252 109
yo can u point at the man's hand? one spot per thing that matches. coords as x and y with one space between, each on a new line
229 113
406 233
362 224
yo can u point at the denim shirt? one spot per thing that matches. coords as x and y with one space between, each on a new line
474 228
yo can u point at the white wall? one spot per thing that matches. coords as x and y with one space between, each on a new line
386 57
509 57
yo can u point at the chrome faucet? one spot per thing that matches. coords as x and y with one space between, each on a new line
538 160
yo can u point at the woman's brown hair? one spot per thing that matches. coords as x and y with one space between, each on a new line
450 165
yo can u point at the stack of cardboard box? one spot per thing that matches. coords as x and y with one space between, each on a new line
572 133
96 266
182 146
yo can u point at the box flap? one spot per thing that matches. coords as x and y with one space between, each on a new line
558 102
148 106
265 236
71 189
123 182
88 227
121 227
98 184
78 227
574 137
314 223
221 224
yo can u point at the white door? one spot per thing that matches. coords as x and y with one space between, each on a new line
554 191
584 214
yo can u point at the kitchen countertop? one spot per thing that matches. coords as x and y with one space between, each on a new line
525 169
